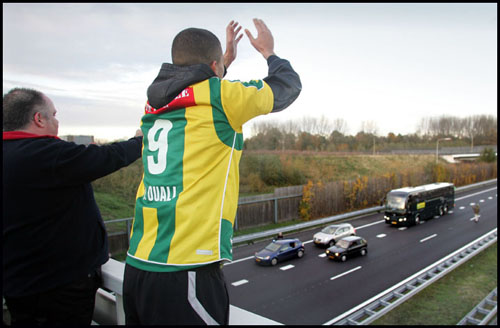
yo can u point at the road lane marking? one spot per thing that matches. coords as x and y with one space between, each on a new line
322 255
239 317
239 283
477 193
481 201
402 228
378 296
240 260
427 238
287 267
461 207
382 235
347 272
367 225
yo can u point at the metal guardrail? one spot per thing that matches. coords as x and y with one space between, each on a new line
483 312
110 300
309 224
381 304
266 234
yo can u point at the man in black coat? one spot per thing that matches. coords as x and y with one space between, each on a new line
54 239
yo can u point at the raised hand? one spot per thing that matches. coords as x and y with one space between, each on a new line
232 40
264 43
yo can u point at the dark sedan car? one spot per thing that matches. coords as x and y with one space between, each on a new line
347 247
280 250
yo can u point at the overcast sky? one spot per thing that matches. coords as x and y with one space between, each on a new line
389 64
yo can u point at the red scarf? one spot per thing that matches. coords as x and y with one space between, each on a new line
12 135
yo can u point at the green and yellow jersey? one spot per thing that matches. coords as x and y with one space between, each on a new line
187 200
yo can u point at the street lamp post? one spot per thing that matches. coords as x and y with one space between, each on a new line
437 147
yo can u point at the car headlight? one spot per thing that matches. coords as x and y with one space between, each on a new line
336 254
266 258
327 252
386 217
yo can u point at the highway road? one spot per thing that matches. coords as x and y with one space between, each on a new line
313 290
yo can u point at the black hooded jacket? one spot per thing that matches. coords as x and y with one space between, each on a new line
172 79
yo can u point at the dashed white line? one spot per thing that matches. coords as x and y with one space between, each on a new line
240 260
382 235
477 193
427 238
377 222
287 267
239 283
370 224
322 255
347 272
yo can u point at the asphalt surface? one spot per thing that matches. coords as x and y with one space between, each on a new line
313 290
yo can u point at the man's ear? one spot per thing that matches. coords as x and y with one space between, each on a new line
213 66
37 118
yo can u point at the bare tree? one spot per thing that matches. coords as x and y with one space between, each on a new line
423 127
340 125
472 128
369 127
324 126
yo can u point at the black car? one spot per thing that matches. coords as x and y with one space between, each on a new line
347 247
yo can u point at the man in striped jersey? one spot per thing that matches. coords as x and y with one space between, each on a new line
186 202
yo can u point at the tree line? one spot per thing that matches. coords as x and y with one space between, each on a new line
323 134
321 199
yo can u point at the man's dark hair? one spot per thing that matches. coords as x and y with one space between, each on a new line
19 106
195 46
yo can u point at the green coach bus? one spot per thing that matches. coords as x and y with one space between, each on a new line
410 205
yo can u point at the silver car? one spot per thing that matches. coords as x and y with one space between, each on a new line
332 233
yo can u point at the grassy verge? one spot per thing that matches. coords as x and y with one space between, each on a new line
448 300
114 206
265 227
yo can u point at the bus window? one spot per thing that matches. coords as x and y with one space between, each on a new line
395 201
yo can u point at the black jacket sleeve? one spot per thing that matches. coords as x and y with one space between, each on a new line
76 164
284 82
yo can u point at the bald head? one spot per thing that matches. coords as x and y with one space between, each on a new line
19 107
30 111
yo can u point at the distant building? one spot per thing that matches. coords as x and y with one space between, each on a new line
79 140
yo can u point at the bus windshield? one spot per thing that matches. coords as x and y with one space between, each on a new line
395 201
